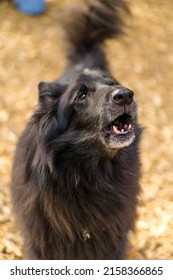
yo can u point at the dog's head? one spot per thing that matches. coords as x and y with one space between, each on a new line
93 108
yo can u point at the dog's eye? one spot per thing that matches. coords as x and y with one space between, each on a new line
82 93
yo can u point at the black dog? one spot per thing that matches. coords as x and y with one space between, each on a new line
76 169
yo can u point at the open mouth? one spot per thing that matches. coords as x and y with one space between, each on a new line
122 125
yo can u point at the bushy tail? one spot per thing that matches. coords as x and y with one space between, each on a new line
86 29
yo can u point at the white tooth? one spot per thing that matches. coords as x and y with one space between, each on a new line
122 130
130 125
114 128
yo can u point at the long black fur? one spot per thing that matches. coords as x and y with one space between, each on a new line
74 187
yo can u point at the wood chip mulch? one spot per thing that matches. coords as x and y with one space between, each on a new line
31 51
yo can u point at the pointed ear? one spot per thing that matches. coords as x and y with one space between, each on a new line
49 92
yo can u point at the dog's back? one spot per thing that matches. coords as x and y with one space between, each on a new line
76 169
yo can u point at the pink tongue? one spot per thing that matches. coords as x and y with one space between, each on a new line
117 132
121 130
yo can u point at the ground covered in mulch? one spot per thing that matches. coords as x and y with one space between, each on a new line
30 51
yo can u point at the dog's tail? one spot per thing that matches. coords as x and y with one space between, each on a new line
87 29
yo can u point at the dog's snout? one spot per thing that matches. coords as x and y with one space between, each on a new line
123 96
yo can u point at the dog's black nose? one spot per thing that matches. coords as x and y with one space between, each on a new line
123 96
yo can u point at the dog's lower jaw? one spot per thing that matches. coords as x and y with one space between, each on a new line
120 145
112 147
